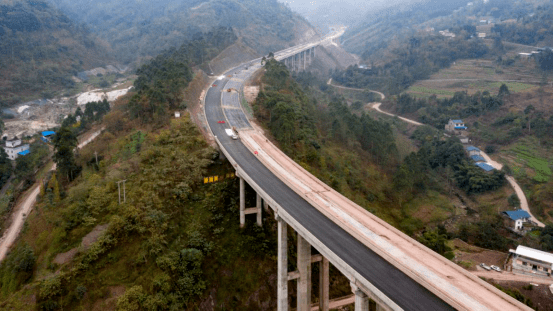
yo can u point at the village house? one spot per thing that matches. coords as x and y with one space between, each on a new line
472 150
515 219
477 158
455 125
531 261
47 136
13 147
485 166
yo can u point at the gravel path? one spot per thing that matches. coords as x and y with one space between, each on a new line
22 210
519 192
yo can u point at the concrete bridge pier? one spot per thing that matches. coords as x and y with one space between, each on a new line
304 266
282 270
361 302
252 210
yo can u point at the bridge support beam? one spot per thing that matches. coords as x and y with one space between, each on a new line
258 209
324 284
252 210
361 302
304 283
282 272
242 203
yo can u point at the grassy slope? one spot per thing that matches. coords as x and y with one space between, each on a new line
235 269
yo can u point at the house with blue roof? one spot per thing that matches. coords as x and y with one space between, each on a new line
24 153
472 150
455 125
485 166
478 158
47 135
13 147
515 219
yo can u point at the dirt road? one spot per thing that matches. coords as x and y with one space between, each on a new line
354 89
519 192
18 219
377 105
23 209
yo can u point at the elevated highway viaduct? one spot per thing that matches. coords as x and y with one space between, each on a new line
382 263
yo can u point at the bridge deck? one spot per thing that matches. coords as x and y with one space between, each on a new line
361 240
441 276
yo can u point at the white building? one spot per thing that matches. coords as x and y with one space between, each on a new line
531 261
13 147
455 125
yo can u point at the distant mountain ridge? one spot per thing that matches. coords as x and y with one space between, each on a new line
137 29
381 27
41 49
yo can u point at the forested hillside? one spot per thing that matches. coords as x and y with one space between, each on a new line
518 21
41 49
417 186
172 243
137 29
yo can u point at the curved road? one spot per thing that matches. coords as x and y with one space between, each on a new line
404 291
524 205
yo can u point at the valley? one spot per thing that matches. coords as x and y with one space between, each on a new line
340 153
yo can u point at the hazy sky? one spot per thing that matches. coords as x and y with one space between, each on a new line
324 13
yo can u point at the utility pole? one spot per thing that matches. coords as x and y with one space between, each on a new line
119 190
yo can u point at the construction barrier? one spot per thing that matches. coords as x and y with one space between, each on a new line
212 179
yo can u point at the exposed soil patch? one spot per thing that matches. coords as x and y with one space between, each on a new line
474 255
540 296
87 241
250 93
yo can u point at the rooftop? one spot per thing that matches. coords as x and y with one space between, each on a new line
485 166
24 152
478 158
457 121
519 214
472 148
48 133
534 253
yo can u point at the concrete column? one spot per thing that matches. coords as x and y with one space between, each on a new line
361 302
304 284
324 284
282 272
304 59
242 203
259 209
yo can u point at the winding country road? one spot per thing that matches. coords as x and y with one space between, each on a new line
22 209
524 205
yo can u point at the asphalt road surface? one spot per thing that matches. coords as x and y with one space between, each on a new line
405 292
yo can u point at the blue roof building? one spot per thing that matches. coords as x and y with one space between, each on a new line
48 133
24 152
472 148
454 125
478 158
516 218
519 214
486 167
